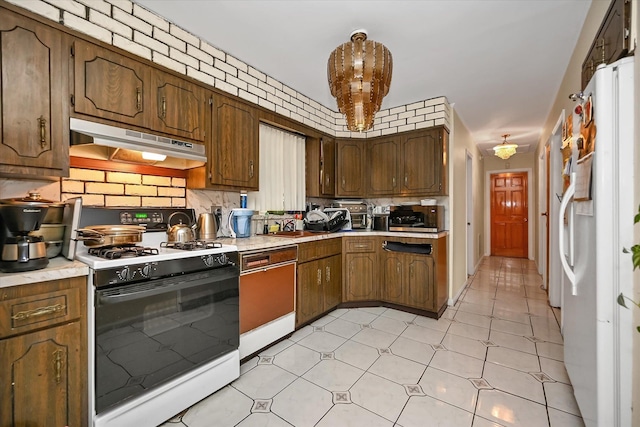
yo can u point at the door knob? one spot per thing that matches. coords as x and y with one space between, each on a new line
544 214
526 220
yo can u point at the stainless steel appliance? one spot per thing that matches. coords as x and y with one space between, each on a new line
163 319
357 211
380 222
417 219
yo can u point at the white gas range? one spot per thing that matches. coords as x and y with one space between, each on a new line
163 321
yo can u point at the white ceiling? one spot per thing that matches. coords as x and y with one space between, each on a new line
499 62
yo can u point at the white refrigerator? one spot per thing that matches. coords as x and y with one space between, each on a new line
597 331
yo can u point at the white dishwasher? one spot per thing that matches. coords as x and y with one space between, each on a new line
267 297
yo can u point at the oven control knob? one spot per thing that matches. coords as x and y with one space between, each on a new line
223 259
146 270
126 273
209 260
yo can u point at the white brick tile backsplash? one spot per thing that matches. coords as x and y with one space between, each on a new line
397 110
406 128
183 35
136 23
434 116
225 67
178 202
169 39
72 186
140 190
274 99
388 119
247 78
72 21
302 98
247 96
222 85
435 101
236 82
171 192
374 133
183 58
425 124
213 51
89 199
125 5
397 123
235 62
257 91
156 202
165 61
257 74
103 188
122 201
72 6
110 24
297 117
281 94
283 111
160 181
267 104
415 105
407 114
286 89
150 17
124 178
273 82
86 175
439 122
39 7
199 75
99 5
389 131
199 54
178 182
131 46
439 107
150 42
416 119
297 102
426 110
267 87
212 71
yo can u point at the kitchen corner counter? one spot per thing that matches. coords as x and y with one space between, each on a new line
259 242
58 268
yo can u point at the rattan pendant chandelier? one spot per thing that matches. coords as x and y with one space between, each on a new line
505 150
359 74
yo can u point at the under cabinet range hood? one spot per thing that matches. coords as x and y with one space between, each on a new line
103 142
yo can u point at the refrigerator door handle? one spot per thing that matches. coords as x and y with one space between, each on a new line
568 195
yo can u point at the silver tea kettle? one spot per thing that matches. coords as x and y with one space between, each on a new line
180 232
208 225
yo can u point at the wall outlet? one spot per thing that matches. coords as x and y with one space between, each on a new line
216 210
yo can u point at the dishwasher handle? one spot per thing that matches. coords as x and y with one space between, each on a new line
412 248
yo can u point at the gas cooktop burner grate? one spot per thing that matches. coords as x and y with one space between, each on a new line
191 245
124 251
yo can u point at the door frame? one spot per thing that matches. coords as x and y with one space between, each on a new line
556 278
542 222
471 268
487 203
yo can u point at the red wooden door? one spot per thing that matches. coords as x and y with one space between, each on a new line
509 215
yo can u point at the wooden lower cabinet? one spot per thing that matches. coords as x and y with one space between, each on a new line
43 354
360 281
319 279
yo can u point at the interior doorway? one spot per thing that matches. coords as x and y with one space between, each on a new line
509 214
470 233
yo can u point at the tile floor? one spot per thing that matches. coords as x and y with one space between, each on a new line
494 359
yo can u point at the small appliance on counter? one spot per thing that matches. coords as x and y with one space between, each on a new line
240 222
357 212
380 222
331 220
416 219
20 250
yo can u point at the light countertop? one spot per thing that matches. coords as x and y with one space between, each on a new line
58 268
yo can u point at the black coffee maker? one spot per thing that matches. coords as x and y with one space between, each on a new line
20 251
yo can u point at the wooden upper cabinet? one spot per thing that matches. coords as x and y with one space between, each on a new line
382 160
109 85
177 107
234 144
34 113
350 171
424 161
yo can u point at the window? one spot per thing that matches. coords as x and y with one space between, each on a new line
282 172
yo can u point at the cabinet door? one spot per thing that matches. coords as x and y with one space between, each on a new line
41 374
234 146
349 168
420 281
109 85
382 163
34 112
359 277
332 281
392 275
178 106
310 291
422 154
327 166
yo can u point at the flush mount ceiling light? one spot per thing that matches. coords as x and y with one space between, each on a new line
505 150
359 74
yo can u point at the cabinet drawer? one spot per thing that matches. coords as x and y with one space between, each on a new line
360 245
320 249
33 312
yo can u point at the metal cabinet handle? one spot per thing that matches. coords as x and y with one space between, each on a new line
250 168
393 181
319 277
164 107
42 122
328 274
41 311
57 365
139 99
406 179
343 181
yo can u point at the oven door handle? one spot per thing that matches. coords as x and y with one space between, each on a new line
147 289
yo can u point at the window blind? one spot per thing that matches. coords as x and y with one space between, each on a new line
282 172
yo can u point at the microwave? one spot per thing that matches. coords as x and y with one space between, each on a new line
416 219
358 211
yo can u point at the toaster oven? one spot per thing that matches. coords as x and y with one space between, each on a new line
357 210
